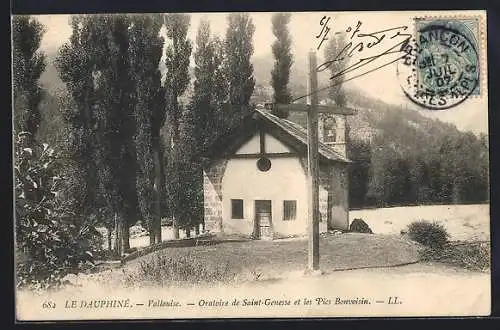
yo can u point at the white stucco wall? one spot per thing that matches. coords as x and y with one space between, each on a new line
285 180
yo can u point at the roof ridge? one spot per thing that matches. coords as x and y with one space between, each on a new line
282 121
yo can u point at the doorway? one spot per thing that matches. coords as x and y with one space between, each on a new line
263 220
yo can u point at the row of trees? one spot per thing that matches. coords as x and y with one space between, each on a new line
111 67
132 144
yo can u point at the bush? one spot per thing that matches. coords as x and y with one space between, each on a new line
359 226
163 270
430 234
51 240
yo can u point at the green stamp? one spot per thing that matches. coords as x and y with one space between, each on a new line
442 66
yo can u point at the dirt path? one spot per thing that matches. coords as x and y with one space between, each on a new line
421 290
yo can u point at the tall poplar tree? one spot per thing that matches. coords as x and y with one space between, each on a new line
210 87
95 68
75 62
239 69
116 124
280 75
145 51
28 63
177 79
333 48
201 121
190 184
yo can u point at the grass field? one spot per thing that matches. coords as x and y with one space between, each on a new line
251 260
260 260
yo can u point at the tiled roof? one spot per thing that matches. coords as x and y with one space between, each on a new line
300 134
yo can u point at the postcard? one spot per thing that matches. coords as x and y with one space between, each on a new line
251 165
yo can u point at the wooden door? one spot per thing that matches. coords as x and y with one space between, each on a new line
263 220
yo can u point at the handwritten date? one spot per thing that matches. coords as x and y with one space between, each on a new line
364 48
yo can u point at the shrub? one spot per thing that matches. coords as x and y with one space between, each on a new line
430 234
359 226
163 270
51 240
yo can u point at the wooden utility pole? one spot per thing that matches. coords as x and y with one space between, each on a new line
313 108
312 168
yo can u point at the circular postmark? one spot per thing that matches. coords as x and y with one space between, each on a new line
441 66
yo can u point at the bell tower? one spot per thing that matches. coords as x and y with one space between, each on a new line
332 131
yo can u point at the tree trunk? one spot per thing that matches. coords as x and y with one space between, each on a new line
110 244
175 227
118 238
125 236
155 233
188 232
151 235
175 140
197 229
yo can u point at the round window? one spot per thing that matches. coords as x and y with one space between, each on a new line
264 164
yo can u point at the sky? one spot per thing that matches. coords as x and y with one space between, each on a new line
304 28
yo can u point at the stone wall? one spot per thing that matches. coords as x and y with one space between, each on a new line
339 198
333 195
212 186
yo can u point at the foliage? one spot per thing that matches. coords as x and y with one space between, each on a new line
403 158
239 49
201 124
430 234
331 53
359 226
28 63
51 240
210 87
359 171
177 56
162 270
74 63
94 66
281 48
190 172
145 51
52 126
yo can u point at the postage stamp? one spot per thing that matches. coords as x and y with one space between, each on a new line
250 165
443 66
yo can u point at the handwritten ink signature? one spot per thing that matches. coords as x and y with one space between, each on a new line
359 43
324 30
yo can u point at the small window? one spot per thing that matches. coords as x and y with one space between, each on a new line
236 209
263 164
289 210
